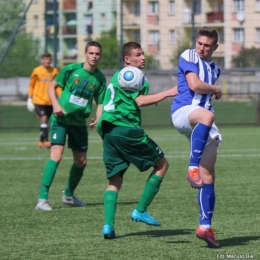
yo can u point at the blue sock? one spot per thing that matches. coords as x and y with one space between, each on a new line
206 201
199 137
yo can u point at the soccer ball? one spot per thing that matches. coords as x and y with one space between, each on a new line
131 79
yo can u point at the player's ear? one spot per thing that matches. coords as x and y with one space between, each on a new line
216 46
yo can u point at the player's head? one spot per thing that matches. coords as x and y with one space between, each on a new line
133 55
95 44
46 60
93 53
206 42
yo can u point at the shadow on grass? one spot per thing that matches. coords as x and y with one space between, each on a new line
118 203
237 241
160 233
60 206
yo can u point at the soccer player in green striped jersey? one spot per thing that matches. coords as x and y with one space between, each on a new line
125 142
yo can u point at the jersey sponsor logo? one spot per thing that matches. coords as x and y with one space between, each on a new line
78 101
46 80
76 75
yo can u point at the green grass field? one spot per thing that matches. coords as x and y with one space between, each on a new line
75 233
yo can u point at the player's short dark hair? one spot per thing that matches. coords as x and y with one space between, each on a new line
128 47
46 55
208 32
93 43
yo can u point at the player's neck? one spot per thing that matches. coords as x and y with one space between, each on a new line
89 68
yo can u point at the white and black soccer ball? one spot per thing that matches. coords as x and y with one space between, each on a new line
131 79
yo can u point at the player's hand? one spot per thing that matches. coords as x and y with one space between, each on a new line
58 111
218 94
30 105
93 124
173 91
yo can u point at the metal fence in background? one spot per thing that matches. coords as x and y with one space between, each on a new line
232 109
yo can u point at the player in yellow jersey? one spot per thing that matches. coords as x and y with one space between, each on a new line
38 98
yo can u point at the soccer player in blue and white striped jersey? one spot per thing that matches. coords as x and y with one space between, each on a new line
193 116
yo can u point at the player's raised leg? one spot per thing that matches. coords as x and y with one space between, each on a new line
201 121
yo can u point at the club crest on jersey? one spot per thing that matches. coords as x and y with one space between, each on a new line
84 83
92 87
76 81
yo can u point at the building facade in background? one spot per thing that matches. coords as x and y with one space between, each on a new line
162 25
78 21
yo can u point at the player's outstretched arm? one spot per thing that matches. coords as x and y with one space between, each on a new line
147 100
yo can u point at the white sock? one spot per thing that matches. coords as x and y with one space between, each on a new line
193 167
205 227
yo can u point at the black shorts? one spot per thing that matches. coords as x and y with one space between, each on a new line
42 110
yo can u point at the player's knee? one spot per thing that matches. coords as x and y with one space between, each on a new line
161 166
209 118
81 163
116 181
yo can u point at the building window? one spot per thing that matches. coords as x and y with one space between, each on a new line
220 35
137 8
36 21
89 5
239 35
197 6
172 37
238 5
257 5
153 7
172 7
103 19
220 7
258 34
153 37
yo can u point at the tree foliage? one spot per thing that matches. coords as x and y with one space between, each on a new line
9 17
21 58
151 62
111 52
182 45
247 58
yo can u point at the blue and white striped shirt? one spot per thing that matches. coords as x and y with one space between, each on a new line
208 72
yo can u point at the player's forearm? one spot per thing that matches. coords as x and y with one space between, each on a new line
151 99
52 93
202 87
98 111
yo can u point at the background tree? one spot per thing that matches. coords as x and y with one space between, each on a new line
22 57
151 62
182 44
111 52
247 58
9 17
